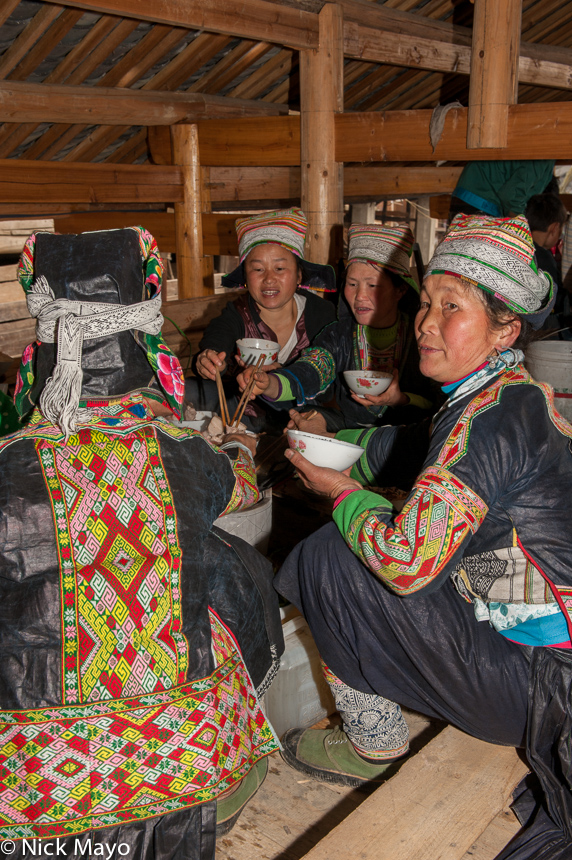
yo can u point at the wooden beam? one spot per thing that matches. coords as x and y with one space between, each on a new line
254 19
239 144
321 97
54 182
493 83
534 131
188 213
24 102
376 182
436 806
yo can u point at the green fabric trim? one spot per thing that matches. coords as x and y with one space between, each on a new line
358 505
360 470
381 338
286 393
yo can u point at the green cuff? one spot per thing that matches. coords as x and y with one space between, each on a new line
356 505
360 470
286 393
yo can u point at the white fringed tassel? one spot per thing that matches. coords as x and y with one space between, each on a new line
60 398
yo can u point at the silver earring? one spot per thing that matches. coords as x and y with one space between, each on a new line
493 358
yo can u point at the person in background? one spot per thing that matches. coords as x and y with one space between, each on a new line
546 216
499 188
460 605
136 637
374 331
278 305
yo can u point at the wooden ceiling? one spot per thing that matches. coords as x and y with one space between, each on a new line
48 45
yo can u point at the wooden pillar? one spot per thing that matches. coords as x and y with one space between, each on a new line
321 97
493 83
192 266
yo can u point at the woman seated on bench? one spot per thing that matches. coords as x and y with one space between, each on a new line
459 606
277 305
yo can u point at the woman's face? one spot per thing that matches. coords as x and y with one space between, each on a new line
272 275
371 295
453 331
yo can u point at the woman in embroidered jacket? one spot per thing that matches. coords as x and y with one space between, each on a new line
278 304
134 634
374 331
460 605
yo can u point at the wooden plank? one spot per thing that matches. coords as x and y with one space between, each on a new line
446 794
321 177
276 142
495 837
264 76
255 19
230 67
46 44
60 103
53 182
388 181
219 234
493 83
534 131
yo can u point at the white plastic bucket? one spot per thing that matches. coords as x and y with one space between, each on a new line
299 695
551 361
252 524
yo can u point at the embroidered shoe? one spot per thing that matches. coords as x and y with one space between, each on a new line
329 755
228 808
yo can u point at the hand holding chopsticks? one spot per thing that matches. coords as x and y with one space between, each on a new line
243 402
222 399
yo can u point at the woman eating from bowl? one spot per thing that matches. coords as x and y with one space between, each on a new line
467 616
374 332
277 305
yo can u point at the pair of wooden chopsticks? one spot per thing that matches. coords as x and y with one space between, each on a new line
222 399
243 402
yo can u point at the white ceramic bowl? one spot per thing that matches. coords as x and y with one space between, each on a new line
373 382
201 422
324 451
250 350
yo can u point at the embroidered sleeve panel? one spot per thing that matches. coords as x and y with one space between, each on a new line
410 550
322 366
245 492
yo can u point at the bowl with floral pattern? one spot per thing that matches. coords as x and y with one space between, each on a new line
372 382
325 451
251 348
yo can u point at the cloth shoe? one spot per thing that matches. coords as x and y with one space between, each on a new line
329 755
228 808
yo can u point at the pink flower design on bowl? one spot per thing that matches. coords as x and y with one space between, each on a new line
297 444
365 383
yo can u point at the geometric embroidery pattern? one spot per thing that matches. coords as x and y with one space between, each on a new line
67 769
441 510
436 518
120 564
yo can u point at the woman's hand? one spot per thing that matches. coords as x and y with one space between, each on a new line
392 396
244 438
208 361
323 482
309 422
265 384
275 365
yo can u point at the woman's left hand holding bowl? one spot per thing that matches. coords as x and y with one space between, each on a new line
323 482
392 396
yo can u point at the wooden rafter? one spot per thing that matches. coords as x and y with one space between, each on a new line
260 19
233 64
268 73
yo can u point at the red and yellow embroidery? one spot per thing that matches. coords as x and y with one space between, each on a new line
120 564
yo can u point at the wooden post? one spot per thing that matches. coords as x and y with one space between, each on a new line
191 266
321 97
494 71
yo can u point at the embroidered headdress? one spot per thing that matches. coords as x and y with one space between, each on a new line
286 227
497 254
97 301
383 247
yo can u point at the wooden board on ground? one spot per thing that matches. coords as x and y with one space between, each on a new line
291 812
435 808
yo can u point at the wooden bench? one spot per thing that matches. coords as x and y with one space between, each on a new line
438 805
